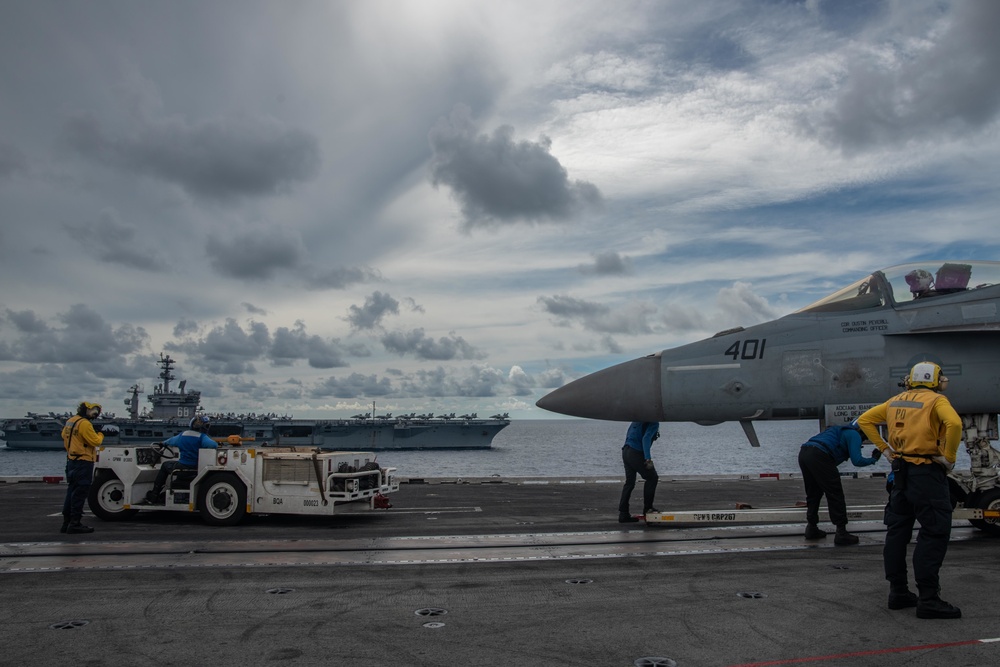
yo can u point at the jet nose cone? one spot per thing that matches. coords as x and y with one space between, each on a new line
631 391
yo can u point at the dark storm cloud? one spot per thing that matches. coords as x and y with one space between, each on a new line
215 159
607 264
630 319
26 321
227 349
262 254
252 309
423 347
290 345
12 160
353 386
339 277
230 349
475 381
185 327
112 240
498 180
369 316
948 89
255 255
82 336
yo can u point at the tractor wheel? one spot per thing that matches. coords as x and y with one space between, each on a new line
107 497
222 499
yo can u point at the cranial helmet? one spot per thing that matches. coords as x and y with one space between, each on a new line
87 406
925 374
199 423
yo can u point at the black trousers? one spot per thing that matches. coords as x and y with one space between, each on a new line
79 475
635 464
820 476
919 493
166 468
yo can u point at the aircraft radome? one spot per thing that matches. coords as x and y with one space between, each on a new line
828 361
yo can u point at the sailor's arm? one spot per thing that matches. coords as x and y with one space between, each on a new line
868 423
952 427
852 439
91 438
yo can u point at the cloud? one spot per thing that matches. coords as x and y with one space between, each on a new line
339 277
520 383
424 347
214 159
353 386
185 327
115 241
369 316
227 349
230 350
262 254
919 90
290 345
498 180
740 303
255 255
607 264
83 337
252 309
12 160
631 318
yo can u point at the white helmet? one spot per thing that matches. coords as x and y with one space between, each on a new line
925 374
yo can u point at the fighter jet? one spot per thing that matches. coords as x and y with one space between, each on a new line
829 361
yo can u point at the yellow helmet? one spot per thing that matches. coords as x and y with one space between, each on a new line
86 405
925 374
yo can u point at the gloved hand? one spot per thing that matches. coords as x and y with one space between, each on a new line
649 464
944 463
876 453
109 429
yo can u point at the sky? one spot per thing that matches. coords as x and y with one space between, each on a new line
456 206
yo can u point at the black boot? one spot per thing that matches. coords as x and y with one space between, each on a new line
77 528
814 533
152 498
626 518
901 597
65 524
930 605
844 538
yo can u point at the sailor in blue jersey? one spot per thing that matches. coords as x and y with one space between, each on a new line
818 460
638 459
187 444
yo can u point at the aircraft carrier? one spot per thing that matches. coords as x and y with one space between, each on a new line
171 410
482 572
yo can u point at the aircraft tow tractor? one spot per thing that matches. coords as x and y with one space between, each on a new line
239 479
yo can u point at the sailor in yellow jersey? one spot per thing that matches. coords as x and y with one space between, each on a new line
81 442
923 436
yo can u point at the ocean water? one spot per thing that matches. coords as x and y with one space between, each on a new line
569 448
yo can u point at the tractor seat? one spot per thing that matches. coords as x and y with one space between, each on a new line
181 479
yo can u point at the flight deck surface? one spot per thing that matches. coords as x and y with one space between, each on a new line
486 573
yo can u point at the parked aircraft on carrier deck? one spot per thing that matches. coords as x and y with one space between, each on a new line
829 361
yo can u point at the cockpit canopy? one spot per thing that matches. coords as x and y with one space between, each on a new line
907 283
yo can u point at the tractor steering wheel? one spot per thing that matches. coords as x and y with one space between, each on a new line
164 451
